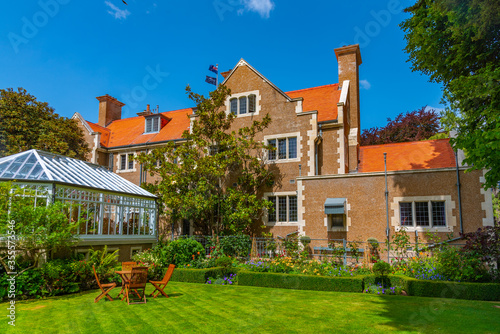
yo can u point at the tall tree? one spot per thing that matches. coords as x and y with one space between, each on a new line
414 125
457 43
214 176
26 123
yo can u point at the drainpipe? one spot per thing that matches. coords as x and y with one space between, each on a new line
459 194
316 147
386 207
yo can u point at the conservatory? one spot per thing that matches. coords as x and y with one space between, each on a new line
111 209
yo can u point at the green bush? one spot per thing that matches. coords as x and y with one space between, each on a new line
460 266
199 275
381 268
238 245
183 251
442 289
301 282
224 261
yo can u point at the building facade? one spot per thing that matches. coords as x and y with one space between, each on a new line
330 186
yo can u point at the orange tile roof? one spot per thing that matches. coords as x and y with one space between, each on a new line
324 99
407 156
130 131
104 133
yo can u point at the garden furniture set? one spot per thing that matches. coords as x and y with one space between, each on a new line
134 280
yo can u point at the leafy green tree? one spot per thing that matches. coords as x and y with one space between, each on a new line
214 176
26 123
32 230
414 125
457 43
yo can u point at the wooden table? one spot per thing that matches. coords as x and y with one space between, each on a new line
125 275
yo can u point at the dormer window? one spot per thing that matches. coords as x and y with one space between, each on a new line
244 104
152 124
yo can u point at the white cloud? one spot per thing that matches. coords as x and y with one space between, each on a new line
117 12
365 84
263 7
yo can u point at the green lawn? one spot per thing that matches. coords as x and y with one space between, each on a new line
199 308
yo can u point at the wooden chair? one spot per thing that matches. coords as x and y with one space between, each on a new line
105 288
160 285
126 266
137 284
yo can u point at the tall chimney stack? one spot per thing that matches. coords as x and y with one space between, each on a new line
349 59
110 109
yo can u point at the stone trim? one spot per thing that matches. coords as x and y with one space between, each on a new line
301 209
312 135
258 98
282 193
451 219
281 136
487 204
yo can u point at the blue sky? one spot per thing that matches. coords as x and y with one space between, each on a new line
67 52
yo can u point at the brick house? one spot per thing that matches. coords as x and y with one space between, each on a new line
330 187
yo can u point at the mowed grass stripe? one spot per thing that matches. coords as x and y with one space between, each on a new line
198 308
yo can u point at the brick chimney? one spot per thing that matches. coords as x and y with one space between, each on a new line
349 59
225 74
110 109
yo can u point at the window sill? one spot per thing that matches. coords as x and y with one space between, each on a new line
280 161
337 229
282 223
424 229
126 171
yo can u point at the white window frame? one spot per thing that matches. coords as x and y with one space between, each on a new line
449 205
284 136
152 118
287 222
119 163
237 97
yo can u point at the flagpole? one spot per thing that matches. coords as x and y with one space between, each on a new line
217 77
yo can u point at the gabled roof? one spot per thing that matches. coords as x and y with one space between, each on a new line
36 165
427 154
130 131
324 99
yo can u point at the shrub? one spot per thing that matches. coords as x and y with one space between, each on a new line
183 251
381 268
301 282
460 266
200 275
224 261
236 245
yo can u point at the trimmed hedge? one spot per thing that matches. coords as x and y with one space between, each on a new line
412 286
301 282
439 289
199 275
456 290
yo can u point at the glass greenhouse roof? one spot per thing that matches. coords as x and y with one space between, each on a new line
38 165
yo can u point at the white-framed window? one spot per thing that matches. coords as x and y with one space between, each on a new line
284 208
134 250
126 162
244 104
424 213
286 147
152 124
